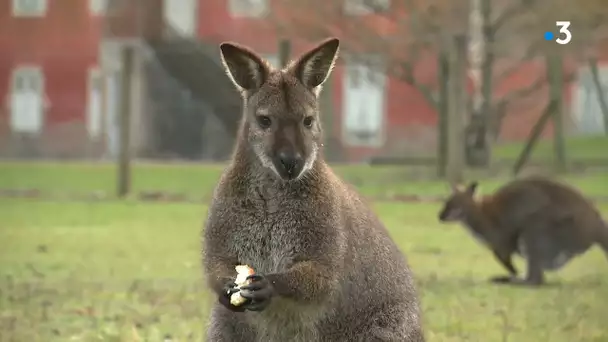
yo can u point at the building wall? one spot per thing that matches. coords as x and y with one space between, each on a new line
63 43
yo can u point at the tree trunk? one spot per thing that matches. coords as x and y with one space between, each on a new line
556 83
477 138
442 112
601 96
457 108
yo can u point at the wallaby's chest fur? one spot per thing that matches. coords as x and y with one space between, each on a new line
271 224
269 228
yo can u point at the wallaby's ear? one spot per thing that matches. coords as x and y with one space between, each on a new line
472 187
313 68
456 187
246 69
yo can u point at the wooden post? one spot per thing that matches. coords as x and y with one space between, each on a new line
284 52
457 109
124 159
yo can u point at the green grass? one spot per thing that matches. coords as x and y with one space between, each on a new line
128 271
199 179
590 147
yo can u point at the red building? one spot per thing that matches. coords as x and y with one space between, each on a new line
48 66
49 74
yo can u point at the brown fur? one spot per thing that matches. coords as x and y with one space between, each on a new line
336 274
547 222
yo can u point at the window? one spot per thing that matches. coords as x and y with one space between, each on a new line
362 7
181 15
29 8
364 101
248 8
27 99
273 60
94 103
98 7
586 104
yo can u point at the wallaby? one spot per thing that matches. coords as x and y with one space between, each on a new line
544 221
325 267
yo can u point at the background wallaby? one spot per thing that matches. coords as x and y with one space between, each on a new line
546 222
326 261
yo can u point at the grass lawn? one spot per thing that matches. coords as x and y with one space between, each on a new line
199 179
585 147
128 271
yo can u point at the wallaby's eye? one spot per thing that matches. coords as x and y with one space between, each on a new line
263 121
308 121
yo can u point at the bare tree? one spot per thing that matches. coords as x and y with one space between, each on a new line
410 34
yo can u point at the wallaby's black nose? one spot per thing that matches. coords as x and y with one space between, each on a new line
291 163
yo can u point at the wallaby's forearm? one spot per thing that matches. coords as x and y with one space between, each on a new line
306 281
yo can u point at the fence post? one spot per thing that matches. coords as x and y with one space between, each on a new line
124 159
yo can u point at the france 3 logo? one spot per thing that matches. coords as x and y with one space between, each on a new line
564 37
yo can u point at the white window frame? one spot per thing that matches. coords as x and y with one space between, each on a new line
177 12
359 64
365 7
29 69
19 10
273 59
248 8
98 7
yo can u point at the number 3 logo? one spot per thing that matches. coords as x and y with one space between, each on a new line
563 28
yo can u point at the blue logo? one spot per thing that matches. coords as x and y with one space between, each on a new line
549 35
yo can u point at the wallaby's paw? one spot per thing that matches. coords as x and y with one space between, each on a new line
224 297
259 292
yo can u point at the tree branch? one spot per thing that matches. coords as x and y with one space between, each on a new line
529 54
405 72
510 13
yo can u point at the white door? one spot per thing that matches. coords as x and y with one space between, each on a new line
363 109
94 104
181 15
27 100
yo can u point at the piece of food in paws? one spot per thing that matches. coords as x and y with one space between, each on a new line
243 271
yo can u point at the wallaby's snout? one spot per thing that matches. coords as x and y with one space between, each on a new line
448 214
289 164
458 204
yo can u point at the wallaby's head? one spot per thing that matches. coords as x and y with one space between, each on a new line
281 107
459 203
